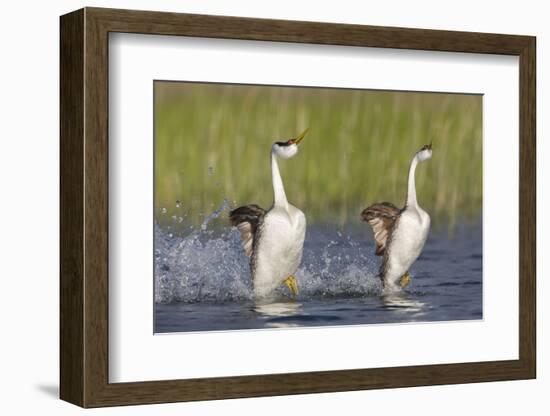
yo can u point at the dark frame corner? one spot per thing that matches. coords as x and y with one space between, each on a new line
84 207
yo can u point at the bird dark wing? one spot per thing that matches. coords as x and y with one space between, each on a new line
381 218
247 219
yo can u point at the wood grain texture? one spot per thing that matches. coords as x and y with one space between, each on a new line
96 208
84 207
527 208
71 100
162 23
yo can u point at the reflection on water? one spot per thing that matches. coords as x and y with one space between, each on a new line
403 302
278 314
278 309
202 282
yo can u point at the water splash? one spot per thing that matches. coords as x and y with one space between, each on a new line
205 265
225 206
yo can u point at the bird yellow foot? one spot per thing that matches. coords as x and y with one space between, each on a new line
292 284
405 280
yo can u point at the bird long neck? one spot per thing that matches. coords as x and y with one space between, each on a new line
411 190
279 196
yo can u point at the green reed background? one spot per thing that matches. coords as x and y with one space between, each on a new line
212 141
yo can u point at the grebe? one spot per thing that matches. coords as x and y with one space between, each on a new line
273 239
400 234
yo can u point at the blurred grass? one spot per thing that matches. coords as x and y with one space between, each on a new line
212 141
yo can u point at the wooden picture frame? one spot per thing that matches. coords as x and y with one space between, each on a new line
84 207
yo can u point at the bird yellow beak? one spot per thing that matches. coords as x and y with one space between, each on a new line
292 285
299 138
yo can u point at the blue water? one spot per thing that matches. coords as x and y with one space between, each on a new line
202 282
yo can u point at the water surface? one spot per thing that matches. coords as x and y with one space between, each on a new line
202 282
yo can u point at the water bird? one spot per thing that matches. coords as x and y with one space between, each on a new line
273 239
400 234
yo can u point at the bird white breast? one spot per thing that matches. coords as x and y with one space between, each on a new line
279 250
406 244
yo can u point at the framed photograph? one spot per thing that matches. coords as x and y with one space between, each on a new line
255 207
